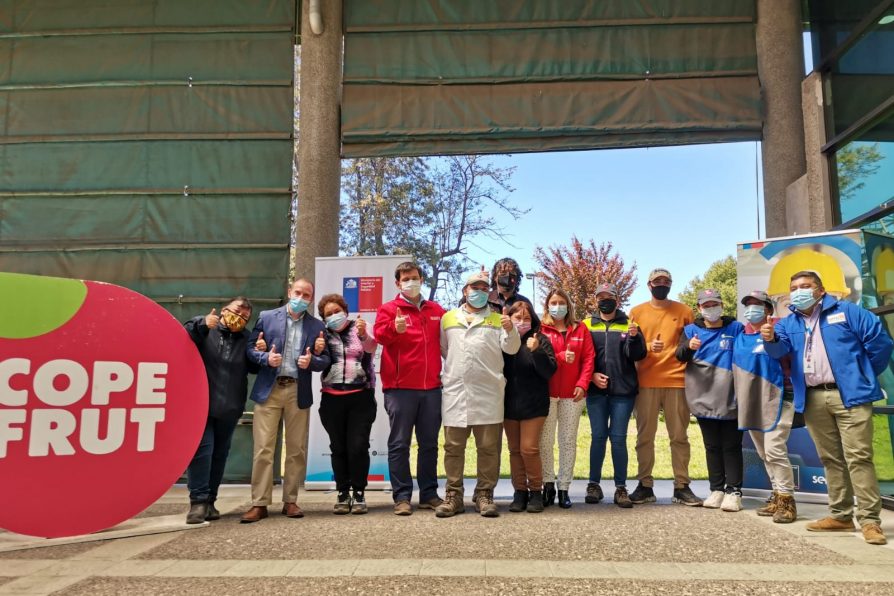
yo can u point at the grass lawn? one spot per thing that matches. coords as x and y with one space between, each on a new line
884 461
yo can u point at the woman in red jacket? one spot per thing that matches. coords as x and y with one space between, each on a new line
575 356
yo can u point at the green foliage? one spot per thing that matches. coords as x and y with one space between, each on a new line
721 275
856 162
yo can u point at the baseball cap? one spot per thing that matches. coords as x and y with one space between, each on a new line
607 289
476 277
655 273
758 295
709 295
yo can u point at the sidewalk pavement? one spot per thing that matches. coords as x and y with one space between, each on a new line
601 549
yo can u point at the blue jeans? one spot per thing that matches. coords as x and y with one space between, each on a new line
205 471
408 409
609 417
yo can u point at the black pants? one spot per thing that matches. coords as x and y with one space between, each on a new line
348 419
723 450
206 470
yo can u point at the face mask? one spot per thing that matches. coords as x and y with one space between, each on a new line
607 306
411 288
754 313
558 311
477 298
335 321
712 314
522 328
234 322
660 292
506 281
802 298
298 305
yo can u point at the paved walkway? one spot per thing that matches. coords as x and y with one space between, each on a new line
602 549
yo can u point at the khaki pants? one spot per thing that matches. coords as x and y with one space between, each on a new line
843 438
488 441
564 414
676 418
523 440
772 448
282 404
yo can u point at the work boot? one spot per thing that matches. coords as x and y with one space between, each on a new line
519 501
403 507
872 534
594 493
772 504
622 499
342 503
256 513
642 494
197 513
359 507
830 524
452 505
685 496
535 501
549 493
564 499
484 504
213 514
786 511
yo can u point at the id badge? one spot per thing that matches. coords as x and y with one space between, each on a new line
808 366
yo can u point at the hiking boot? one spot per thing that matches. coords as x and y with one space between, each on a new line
359 507
343 503
594 493
622 499
213 514
685 496
549 493
452 505
732 501
197 513
714 500
786 511
403 507
431 503
772 504
535 501
642 494
830 524
564 499
519 501
872 534
484 504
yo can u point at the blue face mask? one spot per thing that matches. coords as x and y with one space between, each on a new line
802 298
755 313
298 305
558 311
336 320
477 298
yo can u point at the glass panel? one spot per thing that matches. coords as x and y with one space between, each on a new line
831 21
865 169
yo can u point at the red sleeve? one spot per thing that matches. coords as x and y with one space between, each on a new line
383 329
589 358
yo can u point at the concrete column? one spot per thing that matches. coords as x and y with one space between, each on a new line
818 190
319 162
780 64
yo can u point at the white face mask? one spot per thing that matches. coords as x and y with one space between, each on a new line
411 288
712 314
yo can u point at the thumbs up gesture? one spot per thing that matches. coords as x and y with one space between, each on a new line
304 360
632 329
694 342
260 344
400 322
657 344
319 344
533 343
273 358
211 319
767 332
361 328
505 321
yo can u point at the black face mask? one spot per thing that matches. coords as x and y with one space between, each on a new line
506 282
660 292
607 306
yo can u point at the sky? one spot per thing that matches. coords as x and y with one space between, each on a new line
681 208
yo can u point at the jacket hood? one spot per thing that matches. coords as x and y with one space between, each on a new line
700 321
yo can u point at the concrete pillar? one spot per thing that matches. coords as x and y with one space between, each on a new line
819 203
319 162
780 64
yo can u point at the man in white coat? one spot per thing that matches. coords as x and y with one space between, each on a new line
473 340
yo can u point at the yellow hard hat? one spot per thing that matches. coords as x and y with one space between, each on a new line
883 265
807 259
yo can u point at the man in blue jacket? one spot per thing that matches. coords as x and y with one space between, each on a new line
838 350
282 391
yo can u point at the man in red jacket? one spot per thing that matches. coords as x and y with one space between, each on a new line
409 328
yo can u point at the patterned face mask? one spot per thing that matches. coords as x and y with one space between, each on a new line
234 322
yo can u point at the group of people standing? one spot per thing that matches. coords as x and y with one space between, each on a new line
493 365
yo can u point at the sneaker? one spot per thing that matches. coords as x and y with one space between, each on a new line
403 507
452 505
484 504
213 514
685 496
732 501
594 493
872 534
786 511
622 499
830 524
359 507
642 494
714 500
431 503
770 507
342 503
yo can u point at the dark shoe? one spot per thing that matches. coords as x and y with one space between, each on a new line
359 507
622 499
564 499
343 503
213 514
769 509
431 503
519 501
594 493
292 510
452 505
484 504
256 513
786 510
535 501
197 513
642 494
549 493
685 496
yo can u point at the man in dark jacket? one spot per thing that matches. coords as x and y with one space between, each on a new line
221 341
505 280
611 395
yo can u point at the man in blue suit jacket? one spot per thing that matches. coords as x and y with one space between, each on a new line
282 391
